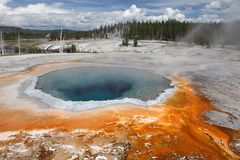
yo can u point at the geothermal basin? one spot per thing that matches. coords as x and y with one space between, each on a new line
107 112
91 108
90 87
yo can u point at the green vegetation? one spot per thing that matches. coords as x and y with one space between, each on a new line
125 42
73 49
168 30
33 50
27 46
172 30
25 35
135 42
165 30
69 34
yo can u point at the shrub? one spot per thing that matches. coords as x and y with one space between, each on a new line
125 41
73 48
135 42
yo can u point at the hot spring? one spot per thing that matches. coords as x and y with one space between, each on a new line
91 87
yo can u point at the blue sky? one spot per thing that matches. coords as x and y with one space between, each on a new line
85 4
89 14
111 5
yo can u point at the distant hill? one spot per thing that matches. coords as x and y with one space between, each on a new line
10 29
11 33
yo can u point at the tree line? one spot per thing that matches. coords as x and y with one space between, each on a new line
50 35
171 30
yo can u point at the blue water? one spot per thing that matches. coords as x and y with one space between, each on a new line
102 83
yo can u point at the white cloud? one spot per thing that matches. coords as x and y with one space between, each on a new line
175 3
4 1
39 8
208 18
214 5
169 13
174 14
43 15
134 12
227 9
54 15
220 4
3 7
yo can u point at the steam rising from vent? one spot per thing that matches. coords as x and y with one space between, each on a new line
212 34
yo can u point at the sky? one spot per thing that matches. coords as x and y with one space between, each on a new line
90 14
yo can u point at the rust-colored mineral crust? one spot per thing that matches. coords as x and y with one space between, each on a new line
170 130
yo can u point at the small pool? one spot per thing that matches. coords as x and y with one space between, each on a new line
102 84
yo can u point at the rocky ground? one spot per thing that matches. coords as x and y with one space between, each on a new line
61 145
214 70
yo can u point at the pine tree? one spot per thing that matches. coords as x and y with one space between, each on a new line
135 43
126 41
73 48
123 42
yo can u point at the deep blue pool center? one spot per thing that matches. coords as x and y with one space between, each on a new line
102 83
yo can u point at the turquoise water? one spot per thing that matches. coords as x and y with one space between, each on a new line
102 83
